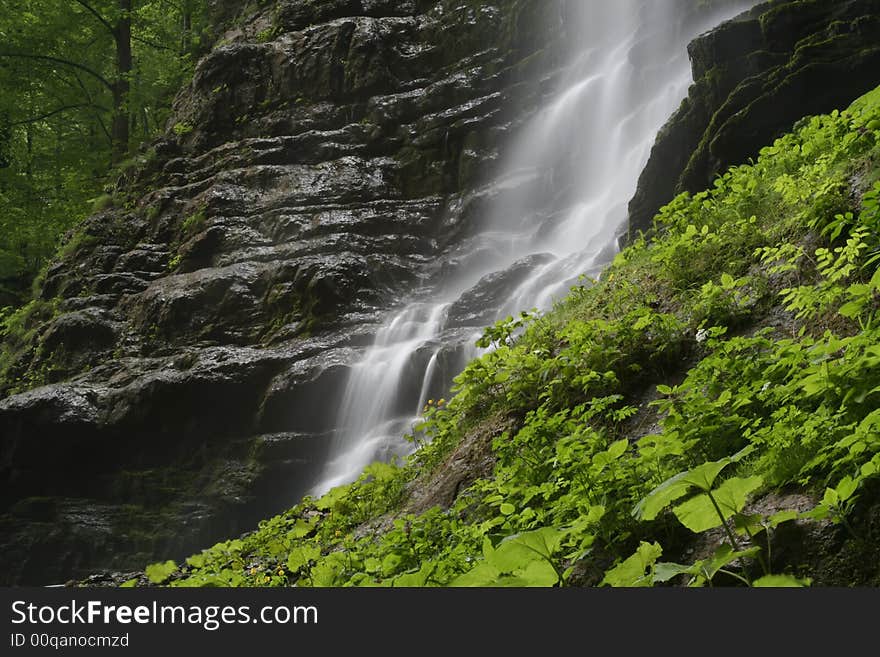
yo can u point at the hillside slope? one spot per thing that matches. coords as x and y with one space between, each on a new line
706 413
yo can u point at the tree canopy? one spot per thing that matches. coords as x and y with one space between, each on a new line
82 83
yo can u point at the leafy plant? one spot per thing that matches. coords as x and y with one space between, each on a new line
712 506
158 573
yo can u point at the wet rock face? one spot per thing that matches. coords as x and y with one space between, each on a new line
193 336
755 77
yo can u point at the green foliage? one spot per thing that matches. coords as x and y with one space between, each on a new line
158 573
194 223
525 559
19 332
703 479
58 72
703 571
182 128
102 202
268 34
637 570
732 352
780 581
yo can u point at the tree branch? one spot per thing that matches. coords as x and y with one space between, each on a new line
97 15
152 44
104 129
64 62
62 78
59 110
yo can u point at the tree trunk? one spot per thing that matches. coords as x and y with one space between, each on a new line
122 85
57 130
5 141
186 29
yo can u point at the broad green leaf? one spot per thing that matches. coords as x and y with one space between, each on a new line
381 471
519 550
301 528
818 512
510 582
780 581
488 548
852 309
588 517
814 384
643 322
782 516
699 514
301 556
872 419
663 572
334 495
157 573
665 494
326 572
846 487
749 524
637 570
702 477
538 573
390 563
618 449
502 376
724 556
416 579
731 495
831 498
483 574
197 560
507 509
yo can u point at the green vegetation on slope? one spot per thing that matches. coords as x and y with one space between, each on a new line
665 424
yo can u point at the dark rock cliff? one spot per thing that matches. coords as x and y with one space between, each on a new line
755 77
177 378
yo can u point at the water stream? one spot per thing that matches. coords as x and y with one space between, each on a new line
558 208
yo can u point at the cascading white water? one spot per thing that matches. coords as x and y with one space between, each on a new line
558 208
371 429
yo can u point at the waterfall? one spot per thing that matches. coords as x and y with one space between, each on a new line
559 205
